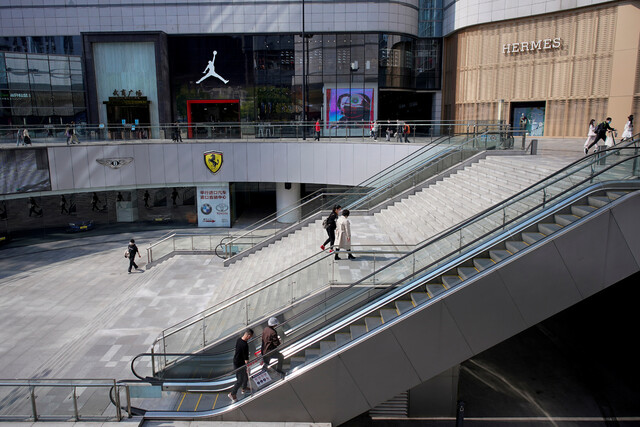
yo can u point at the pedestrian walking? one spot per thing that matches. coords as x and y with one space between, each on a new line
131 252
26 138
601 133
318 128
34 208
94 202
628 129
240 364
374 130
399 131
19 137
63 205
145 197
407 130
388 134
174 196
329 224
270 343
591 134
343 234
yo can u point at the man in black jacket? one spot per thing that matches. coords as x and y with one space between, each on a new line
601 133
240 360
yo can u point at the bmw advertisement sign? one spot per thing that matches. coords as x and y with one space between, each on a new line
214 205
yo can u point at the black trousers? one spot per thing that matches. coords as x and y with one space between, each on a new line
132 263
274 355
242 379
317 138
598 138
332 236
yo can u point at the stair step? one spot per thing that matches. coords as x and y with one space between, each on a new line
435 289
564 219
404 306
342 338
327 346
582 210
548 228
448 281
483 263
499 254
532 237
357 330
598 201
419 297
372 322
514 246
616 194
467 272
387 314
296 361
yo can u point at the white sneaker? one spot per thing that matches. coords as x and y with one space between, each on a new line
233 399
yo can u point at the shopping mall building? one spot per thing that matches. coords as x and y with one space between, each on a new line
560 62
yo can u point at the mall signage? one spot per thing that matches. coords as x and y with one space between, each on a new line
213 160
214 208
532 46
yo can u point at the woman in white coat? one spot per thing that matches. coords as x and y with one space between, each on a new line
628 129
591 135
343 234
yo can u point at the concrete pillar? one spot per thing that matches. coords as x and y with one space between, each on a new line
287 195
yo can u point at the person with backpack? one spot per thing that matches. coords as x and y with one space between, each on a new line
130 253
329 224
601 133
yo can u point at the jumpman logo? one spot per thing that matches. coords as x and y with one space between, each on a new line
210 71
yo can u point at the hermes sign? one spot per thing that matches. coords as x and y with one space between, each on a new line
532 46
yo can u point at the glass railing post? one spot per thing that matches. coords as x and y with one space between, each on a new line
76 415
204 331
128 395
116 391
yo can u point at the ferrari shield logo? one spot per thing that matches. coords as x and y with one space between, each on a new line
213 160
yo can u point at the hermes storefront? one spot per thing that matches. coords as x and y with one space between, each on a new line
560 70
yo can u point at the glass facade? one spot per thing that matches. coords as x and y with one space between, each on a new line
430 18
41 80
264 73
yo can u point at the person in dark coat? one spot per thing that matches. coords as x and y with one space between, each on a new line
240 361
331 227
133 250
601 133
270 342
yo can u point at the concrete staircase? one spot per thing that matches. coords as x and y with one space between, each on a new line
407 222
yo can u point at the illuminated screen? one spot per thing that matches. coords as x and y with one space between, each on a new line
349 105
24 170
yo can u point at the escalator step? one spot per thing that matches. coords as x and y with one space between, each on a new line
357 330
483 263
327 346
372 322
616 194
531 237
498 255
467 272
565 219
598 201
404 306
448 281
311 354
294 362
582 210
547 228
514 246
388 313
342 339
437 288
419 297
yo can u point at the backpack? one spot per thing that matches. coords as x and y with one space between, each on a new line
600 128
325 223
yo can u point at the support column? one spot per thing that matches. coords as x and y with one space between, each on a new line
287 195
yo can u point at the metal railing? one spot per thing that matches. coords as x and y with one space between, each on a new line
309 277
426 162
421 131
63 399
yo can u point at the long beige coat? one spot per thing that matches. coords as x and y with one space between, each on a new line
343 233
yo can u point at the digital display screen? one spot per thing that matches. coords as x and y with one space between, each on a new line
349 105
24 170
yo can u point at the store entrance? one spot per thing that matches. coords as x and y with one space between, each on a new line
203 114
129 110
535 114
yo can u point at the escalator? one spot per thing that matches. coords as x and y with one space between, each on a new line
496 274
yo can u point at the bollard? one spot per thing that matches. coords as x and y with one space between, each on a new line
534 147
460 414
